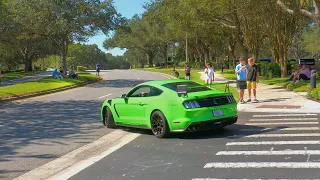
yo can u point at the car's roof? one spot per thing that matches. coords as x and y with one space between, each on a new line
162 82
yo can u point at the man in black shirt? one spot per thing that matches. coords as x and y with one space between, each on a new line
187 71
252 79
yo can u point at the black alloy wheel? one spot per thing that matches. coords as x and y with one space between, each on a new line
159 125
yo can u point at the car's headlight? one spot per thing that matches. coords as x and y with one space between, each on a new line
191 104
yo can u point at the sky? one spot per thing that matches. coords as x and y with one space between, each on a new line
127 8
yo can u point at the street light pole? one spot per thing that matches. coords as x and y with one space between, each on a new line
186 48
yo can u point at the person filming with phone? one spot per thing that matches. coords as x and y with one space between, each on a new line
241 72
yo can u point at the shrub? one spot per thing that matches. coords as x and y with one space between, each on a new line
269 70
314 93
81 68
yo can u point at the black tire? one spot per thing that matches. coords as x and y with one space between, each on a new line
159 125
108 118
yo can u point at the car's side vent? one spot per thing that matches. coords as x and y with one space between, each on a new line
231 99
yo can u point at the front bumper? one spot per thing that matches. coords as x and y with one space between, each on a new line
211 124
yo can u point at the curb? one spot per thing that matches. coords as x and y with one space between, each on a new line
10 99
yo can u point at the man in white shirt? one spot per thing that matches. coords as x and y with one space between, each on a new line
209 74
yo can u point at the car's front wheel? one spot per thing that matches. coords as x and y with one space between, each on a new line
159 125
108 118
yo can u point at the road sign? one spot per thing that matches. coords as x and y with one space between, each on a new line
307 61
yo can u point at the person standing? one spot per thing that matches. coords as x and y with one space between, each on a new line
241 73
98 69
252 79
209 74
187 71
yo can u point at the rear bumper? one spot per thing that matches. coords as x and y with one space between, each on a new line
210 124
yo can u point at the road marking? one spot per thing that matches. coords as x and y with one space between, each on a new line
271 143
280 123
267 153
282 129
279 135
280 115
79 159
263 165
105 96
287 119
248 179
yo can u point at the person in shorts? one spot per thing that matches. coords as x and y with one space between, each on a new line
252 79
209 72
187 71
97 69
241 73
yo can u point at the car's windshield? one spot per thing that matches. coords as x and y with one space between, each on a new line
192 86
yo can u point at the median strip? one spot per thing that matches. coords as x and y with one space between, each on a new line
44 86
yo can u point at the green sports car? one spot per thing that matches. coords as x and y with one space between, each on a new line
166 106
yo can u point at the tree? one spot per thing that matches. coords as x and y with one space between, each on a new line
64 22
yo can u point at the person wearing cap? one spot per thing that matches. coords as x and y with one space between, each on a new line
241 72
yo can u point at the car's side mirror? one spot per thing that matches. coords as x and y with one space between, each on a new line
123 96
182 90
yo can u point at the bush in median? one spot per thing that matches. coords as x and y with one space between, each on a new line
81 68
314 93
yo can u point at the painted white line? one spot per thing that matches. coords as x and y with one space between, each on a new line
264 165
271 143
283 129
280 123
248 179
279 135
283 115
268 153
287 119
105 96
79 159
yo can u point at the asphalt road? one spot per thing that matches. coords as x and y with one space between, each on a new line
36 131
246 150
259 146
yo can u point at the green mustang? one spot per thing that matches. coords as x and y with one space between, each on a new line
166 106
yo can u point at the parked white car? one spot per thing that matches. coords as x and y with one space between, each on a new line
51 69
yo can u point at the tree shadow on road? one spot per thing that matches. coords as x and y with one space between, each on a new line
117 83
47 130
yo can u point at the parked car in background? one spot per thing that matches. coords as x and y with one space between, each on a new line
51 69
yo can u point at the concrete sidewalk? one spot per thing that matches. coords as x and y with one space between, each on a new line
34 77
274 99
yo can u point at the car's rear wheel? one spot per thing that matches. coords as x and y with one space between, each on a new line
159 125
108 118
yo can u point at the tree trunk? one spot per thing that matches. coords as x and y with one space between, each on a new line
64 54
239 37
165 54
256 55
283 61
27 63
150 58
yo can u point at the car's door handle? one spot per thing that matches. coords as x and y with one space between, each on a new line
141 103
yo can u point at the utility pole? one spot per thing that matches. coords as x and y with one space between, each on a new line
186 47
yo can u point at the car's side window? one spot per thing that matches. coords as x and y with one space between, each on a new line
141 92
155 92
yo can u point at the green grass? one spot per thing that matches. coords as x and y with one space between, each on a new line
15 75
301 86
228 74
195 76
43 85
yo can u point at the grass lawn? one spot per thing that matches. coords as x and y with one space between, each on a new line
301 86
195 76
228 74
44 85
15 75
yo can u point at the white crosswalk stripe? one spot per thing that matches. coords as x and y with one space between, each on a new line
267 131
283 129
285 119
283 115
